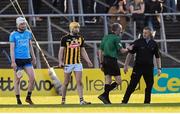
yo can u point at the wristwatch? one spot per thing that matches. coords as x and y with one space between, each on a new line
159 68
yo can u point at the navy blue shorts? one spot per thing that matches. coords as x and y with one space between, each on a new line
22 63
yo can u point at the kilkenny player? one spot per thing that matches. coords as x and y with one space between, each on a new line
70 52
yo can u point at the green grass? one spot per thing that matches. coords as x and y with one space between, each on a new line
92 105
160 103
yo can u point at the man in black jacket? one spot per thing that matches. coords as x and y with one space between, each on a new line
145 49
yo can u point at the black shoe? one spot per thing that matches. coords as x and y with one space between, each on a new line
146 102
109 102
124 102
104 99
19 102
28 100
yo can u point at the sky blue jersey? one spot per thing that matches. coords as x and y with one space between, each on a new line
22 44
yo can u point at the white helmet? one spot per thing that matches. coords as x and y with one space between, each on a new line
20 20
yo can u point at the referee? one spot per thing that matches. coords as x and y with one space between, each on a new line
145 48
70 52
110 48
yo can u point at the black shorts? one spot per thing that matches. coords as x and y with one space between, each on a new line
111 66
21 63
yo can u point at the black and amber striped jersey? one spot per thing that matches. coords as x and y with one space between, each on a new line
72 44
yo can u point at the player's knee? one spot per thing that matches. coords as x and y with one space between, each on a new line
79 83
108 81
17 81
119 82
32 80
66 84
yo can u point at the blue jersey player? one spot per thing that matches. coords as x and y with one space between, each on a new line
22 57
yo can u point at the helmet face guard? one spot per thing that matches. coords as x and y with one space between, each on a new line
21 23
20 20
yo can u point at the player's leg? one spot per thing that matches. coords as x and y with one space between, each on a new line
104 97
116 73
111 68
108 72
17 88
135 77
78 75
17 80
116 83
109 87
108 80
30 72
67 75
149 80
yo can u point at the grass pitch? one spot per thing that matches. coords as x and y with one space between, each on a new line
160 103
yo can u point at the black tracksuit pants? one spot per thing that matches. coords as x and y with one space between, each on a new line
138 71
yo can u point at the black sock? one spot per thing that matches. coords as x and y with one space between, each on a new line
63 99
106 89
18 100
112 86
81 99
28 95
18 97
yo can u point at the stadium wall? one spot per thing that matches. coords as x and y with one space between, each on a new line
93 81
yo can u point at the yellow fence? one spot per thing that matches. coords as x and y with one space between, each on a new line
93 81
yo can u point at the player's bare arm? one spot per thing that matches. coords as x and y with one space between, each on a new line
13 64
158 61
32 53
85 56
60 56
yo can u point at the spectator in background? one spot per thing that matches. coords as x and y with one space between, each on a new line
36 8
110 2
102 6
178 5
153 7
171 8
178 8
61 3
101 9
88 8
119 8
137 8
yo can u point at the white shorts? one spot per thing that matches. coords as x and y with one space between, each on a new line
73 67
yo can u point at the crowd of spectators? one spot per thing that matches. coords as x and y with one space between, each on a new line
135 7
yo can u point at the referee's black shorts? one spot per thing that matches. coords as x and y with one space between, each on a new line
111 66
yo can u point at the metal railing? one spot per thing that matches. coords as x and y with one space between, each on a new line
93 44
6 7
